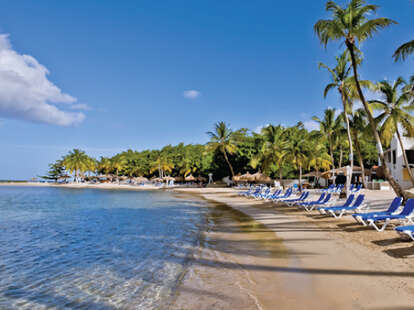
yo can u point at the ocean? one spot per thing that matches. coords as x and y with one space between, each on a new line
94 249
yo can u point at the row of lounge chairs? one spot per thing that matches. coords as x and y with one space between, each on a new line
354 205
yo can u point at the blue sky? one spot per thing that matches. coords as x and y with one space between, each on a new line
122 69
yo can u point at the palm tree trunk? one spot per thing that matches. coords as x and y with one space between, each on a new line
341 155
404 155
351 149
332 158
228 162
361 162
300 178
396 187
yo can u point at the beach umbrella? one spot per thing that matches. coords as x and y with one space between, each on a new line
179 179
247 177
190 178
168 178
201 179
261 178
141 179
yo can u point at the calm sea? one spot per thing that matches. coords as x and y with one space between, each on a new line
93 249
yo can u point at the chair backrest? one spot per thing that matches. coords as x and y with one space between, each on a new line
408 208
358 202
327 198
321 197
395 204
288 191
305 195
277 192
349 200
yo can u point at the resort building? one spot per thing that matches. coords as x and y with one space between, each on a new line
395 160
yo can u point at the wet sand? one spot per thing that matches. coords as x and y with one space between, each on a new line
305 261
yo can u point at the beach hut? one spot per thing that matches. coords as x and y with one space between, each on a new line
247 177
141 180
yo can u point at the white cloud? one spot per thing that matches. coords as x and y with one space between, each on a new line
80 106
27 94
259 128
191 94
311 125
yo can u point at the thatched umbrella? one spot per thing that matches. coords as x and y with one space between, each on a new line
156 179
190 178
179 179
201 179
247 177
141 180
168 178
261 178
343 170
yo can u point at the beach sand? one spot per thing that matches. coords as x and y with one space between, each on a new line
305 262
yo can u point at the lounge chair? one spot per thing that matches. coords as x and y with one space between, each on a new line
302 197
338 212
324 203
287 194
363 217
406 230
275 194
347 203
306 203
405 216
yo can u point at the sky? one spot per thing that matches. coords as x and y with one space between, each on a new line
107 76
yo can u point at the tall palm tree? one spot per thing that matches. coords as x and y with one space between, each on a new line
163 165
221 139
328 127
343 80
297 149
359 126
353 24
270 154
76 162
395 110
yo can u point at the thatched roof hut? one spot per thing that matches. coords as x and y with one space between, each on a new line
261 178
141 180
343 170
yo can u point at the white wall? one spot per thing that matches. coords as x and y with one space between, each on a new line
397 168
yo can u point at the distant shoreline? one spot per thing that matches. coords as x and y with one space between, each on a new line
83 185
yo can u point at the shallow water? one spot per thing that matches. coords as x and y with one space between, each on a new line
93 249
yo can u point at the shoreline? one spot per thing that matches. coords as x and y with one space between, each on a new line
371 270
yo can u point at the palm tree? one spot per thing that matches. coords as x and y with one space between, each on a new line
395 110
328 128
404 51
270 154
359 125
296 149
344 82
76 162
221 139
318 158
118 163
162 164
354 25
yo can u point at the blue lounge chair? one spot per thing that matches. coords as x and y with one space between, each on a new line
356 189
363 217
287 194
274 195
405 216
347 203
307 203
406 230
302 197
338 212
324 203
262 193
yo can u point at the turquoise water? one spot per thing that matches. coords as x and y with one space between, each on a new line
93 249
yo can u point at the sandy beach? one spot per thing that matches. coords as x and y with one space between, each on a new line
316 262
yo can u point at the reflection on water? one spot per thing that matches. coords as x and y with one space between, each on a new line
92 249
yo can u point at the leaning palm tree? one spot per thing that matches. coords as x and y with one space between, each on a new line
343 80
353 24
221 140
395 109
328 128
359 126
76 162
